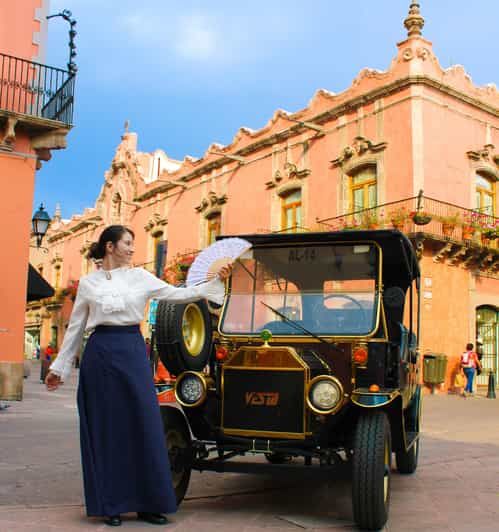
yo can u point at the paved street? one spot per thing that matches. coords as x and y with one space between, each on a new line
456 487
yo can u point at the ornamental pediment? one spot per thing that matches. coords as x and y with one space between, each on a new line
211 200
155 222
360 147
484 154
290 173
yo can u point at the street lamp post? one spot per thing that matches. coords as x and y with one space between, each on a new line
66 15
41 221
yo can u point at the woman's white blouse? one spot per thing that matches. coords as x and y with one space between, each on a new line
120 300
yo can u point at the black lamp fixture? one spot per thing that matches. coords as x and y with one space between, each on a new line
41 221
66 15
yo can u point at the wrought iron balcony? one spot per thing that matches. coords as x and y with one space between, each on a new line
466 235
36 90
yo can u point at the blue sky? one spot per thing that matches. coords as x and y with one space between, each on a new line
188 73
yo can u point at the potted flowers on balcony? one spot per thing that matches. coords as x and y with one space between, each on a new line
176 271
371 219
399 217
449 223
421 217
475 223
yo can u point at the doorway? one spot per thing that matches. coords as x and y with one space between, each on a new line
487 330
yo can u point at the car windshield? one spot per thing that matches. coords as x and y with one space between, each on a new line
330 290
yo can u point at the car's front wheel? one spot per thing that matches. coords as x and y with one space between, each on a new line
372 452
179 444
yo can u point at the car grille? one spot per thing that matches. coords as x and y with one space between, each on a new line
262 402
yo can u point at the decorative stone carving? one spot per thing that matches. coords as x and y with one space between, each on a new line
211 201
414 22
56 261
360 146
291 171
483 154
9 132
155 223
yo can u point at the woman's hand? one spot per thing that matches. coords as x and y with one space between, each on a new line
225 271
52 381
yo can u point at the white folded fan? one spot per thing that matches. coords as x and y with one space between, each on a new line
212 258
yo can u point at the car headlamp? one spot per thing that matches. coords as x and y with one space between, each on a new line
191 388
324 395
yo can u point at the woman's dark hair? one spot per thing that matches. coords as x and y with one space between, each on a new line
112 233
469 347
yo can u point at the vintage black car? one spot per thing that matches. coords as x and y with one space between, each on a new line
314 354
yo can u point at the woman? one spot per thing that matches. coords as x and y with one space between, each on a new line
469 363
124 456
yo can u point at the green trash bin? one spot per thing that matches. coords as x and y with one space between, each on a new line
430 368
441 363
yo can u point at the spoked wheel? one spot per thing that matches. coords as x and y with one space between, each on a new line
178 443
372 453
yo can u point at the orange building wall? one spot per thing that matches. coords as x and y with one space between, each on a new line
18 26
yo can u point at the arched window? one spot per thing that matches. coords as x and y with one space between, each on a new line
291 218
213 226
485 192
363 189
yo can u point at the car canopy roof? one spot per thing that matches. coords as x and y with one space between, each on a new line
400 264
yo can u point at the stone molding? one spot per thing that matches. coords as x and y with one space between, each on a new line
293 175
211 203
360 147
484 159
155 223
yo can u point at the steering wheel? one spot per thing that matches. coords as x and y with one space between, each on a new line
339 321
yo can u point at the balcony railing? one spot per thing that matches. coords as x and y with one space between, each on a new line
36 90
420 214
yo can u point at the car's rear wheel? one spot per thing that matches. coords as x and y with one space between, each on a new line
179 445
372 452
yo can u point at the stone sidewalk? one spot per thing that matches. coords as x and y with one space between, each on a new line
456 487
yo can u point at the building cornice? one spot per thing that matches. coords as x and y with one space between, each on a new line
329 115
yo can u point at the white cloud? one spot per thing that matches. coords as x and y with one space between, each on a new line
196 38
191 37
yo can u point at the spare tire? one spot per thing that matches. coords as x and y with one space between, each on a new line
183 335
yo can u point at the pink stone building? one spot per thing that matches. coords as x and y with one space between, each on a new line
370 148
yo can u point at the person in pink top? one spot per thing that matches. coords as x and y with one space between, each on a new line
469 363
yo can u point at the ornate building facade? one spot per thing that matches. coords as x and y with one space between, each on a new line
357 157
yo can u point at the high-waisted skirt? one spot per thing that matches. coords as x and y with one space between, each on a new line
123 449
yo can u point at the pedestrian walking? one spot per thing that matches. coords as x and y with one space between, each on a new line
124 455
469 364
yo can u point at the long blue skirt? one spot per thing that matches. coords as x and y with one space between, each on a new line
123 449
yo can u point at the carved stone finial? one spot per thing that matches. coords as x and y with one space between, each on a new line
127 126
414 22
57 213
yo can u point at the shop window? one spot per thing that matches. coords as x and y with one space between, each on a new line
291 218
363 189
214 224
485 194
